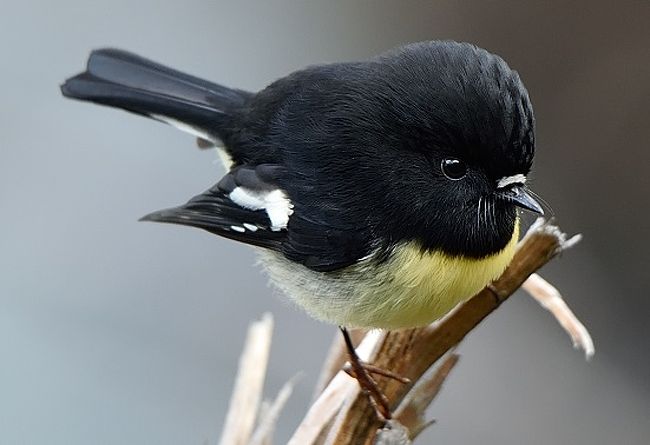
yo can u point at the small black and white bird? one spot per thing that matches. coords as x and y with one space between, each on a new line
380 193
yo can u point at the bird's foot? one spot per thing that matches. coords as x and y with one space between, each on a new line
372 369
362 371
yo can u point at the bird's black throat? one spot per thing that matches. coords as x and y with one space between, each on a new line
471 232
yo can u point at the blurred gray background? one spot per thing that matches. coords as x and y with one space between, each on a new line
119 332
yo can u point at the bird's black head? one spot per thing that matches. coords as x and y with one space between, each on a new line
431 143
463 139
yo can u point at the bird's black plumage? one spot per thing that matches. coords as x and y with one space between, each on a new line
121 79
355 147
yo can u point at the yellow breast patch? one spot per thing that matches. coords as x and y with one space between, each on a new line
415 288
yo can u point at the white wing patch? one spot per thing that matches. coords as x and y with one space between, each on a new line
277 205
508 180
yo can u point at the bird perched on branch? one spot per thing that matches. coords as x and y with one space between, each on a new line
379 193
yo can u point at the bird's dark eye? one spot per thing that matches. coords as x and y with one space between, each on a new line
453 168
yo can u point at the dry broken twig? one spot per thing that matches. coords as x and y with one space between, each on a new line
268 417
550 299
247 393
411 412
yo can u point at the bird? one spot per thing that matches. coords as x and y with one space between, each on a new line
379 193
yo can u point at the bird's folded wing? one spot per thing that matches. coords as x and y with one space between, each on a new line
245 206
250 206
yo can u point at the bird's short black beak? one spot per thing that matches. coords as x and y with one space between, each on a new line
519 196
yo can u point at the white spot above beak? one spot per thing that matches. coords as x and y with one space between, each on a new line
509 180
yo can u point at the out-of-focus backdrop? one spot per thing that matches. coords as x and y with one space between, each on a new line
119 332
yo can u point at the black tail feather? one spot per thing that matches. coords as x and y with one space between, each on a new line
120 79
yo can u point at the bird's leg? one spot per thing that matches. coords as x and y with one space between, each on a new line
366 382
361 371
